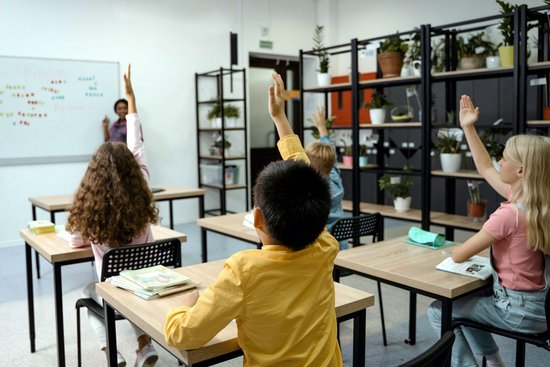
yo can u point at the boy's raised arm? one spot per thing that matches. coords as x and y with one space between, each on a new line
276 104
130 92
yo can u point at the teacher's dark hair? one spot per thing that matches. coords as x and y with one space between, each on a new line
122 100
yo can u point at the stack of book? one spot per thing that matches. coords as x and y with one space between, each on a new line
152 282
41 226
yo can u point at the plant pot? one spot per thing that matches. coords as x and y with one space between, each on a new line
390 63
470 62
506 54
347 160
323 79
450 162
476 211
546 113
231 122
402 205
377 115
492 62
363 161
215 151
217 122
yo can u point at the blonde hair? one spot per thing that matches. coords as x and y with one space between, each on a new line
321 157
532 152
113 203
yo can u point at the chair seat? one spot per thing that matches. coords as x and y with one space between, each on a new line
95 307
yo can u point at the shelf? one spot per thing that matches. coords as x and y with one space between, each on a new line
219 157
339 87
473 74
391 125
227 187
390 82
538 66
538 123
217 129
460 174
225 100
343 167
415 215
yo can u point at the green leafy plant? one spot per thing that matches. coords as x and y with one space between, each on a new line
220 142
363 150
318 46
438 56
231 111
328 124
393 44
506 25
468 47
347 148
490 138
378 101
396 186
415 49
216 110
448 143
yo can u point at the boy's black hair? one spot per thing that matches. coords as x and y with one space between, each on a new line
122 100
295 202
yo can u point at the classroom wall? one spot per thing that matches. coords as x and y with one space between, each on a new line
167 41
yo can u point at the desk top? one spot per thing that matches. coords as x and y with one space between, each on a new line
150 315
55 249
230 225
409 265
63 202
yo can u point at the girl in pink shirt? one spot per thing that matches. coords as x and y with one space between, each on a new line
114 207
519 237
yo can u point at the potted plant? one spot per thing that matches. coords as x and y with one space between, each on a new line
448 146
377 108
506 28
491 139
323 77
475 205
390 58
363 156
347 157
215 114
219 145
397 189
472 51
231 114
412 59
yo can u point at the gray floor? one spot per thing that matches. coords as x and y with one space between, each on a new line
13 296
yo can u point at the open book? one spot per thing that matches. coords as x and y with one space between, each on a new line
154 278
476 266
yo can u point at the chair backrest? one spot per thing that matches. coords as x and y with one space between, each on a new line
355 227
438 354
164 252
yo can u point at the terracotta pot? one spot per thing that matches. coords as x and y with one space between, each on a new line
546 113
476 211
390 63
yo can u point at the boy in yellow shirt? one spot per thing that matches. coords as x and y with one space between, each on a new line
281 296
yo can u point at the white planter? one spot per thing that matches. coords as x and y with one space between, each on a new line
450 162
231 122
377 115
323 79
217 122
495 164
402 205
492 62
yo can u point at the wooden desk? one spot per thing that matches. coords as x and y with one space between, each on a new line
230 225
60 203
58 253
151 315
412 268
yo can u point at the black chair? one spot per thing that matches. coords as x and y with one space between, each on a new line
437 355
354 228
165 252
541 340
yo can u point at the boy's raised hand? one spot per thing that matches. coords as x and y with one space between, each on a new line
468 112
276 105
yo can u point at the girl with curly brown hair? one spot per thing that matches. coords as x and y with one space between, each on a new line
114 207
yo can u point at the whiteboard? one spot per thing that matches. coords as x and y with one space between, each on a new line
52 108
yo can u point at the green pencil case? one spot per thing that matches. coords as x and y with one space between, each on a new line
420 237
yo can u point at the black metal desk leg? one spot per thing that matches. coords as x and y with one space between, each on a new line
446 315
204 250
201 206
36 257
171 210
30 295
412 319
109 315
359 338
58 291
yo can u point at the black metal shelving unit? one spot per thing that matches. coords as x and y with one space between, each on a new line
218 163
519 75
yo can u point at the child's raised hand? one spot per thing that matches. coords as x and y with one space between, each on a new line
468 112
318 117
128 83
276 101
105 121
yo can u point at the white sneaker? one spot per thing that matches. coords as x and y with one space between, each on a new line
146 357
